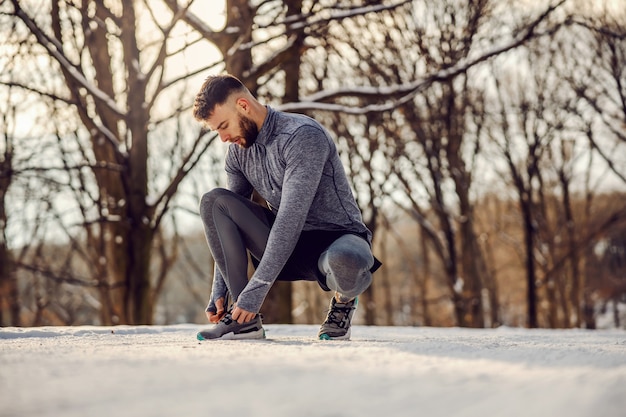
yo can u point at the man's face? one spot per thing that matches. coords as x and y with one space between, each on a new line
233 126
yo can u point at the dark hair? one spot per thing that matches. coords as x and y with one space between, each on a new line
214 91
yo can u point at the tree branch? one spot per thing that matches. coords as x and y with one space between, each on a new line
406 92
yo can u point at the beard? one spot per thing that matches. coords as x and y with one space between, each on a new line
249 131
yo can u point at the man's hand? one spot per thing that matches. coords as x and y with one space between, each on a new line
241 315
215 317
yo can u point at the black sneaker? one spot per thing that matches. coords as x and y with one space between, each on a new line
229 329
337 323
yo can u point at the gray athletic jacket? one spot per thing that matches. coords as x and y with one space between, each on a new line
295 167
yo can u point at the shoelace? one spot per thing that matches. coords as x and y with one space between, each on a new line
338 315
228 318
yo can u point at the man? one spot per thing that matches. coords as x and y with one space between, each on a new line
311 229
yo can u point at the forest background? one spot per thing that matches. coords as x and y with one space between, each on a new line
485 141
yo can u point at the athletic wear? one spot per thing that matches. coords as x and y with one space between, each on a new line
234 224
229 329
337 323
295 167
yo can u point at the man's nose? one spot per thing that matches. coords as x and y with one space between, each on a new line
224 137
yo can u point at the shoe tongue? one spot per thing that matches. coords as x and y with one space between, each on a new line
228 317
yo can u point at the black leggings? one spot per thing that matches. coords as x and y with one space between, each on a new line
234 225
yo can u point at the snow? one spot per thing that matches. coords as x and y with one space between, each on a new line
382 371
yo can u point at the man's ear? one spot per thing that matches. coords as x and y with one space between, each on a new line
243 105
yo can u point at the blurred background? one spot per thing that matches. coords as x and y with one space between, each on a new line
485 141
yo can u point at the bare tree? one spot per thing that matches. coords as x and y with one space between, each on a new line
599 81
545 124
9 304
525 137
113 78
594 69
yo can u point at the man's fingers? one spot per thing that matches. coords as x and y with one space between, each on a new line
242 316
219 311
215 317
211 316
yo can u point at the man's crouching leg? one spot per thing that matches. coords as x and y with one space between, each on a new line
346 264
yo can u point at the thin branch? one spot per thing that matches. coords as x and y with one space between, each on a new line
410 90
54 49
187 165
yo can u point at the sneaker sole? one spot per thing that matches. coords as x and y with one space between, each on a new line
326 336
257 334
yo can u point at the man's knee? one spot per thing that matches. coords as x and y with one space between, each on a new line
347 264
350 252
349 260
207 202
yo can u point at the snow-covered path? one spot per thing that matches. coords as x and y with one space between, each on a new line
384 371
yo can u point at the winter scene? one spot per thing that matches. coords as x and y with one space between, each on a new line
321 208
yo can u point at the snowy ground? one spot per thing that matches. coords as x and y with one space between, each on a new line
384 371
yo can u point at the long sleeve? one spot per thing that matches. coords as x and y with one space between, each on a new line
304 159
218 290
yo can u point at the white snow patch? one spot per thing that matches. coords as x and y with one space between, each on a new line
384 371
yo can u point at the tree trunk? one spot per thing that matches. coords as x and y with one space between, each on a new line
471 256
575 295
9 296
139 298
9 302
423 282
529 237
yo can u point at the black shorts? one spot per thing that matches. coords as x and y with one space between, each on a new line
302 264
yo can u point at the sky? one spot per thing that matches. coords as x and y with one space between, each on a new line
383 371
